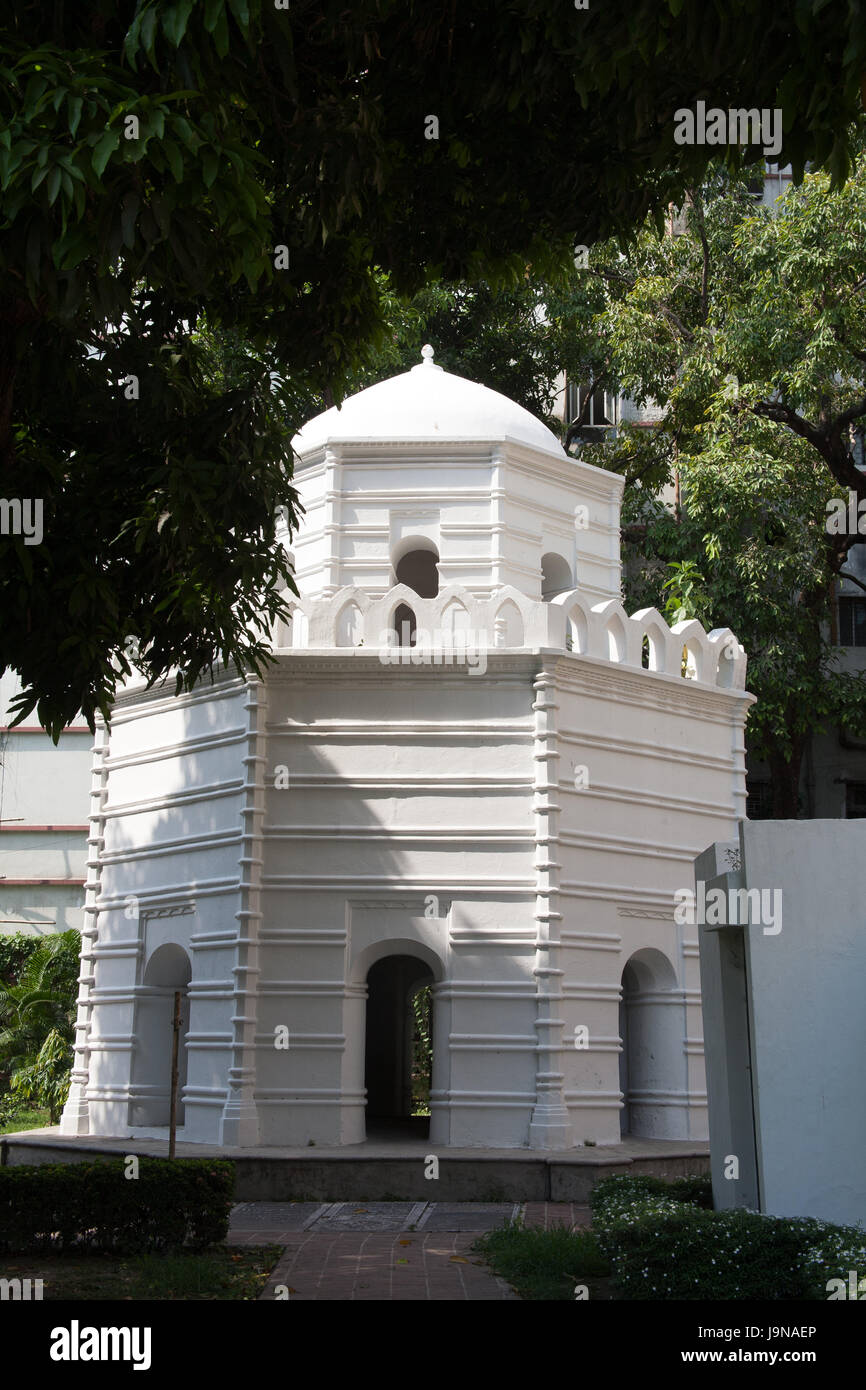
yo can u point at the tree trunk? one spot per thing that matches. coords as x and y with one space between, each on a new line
785 777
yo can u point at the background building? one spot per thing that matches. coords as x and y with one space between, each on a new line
44 806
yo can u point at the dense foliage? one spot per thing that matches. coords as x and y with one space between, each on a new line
257 167
37 1022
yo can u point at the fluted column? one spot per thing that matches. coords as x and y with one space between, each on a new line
549 1127
75 1118
240 1120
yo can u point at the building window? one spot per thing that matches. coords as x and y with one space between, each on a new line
601 406
855 800
852 622
759 801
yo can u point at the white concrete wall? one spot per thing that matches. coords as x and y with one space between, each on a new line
804 989
492 511
647 763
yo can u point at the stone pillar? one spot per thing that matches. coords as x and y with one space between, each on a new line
76 1118
497 522
549 1126
331 525
239 1124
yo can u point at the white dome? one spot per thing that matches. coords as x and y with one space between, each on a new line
427 403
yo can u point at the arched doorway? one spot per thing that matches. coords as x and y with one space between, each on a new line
651 1063
398 1051
167 970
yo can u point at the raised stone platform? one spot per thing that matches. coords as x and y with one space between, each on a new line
391 1169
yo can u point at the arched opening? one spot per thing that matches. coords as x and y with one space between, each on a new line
350 626
615 640
645 653
689 668
167 970
556 576
398 1052
508 626
418 569
577 632
405 625
651 1075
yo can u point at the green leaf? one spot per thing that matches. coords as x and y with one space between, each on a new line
148 31
212 11
105 147
241 11
131 204
210 166
75 107
130 43
53 184
175 22
221 34
175 162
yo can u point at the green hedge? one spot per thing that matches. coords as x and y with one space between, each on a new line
172 1204
662 1245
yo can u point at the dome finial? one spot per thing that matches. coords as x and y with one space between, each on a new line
427 354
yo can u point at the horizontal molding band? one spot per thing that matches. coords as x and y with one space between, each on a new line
451 887
419 835
374 731
163 849
226 738
216 791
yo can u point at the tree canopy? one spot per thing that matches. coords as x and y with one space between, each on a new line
746 330
256 167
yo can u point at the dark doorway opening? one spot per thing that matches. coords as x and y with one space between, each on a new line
399 1048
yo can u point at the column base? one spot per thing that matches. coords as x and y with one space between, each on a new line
75 1117
239 1125
550 1128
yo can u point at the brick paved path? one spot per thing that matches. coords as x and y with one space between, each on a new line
369 1265
341 1251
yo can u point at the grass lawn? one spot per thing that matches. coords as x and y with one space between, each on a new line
547 1264
26 1119
225 1272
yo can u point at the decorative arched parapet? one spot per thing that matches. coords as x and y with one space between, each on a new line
529 625
665 652
325 614
380 616
699 656
728 660
508 625
297 631
613 636
450 600
571 629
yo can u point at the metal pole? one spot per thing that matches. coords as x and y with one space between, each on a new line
174 1049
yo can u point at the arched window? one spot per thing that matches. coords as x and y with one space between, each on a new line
418 570
556 576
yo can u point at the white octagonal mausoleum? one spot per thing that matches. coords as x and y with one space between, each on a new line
468 769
